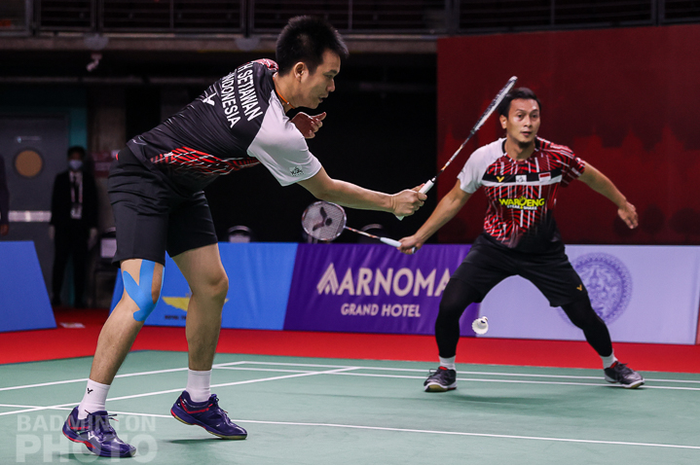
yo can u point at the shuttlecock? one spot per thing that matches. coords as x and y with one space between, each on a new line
480 325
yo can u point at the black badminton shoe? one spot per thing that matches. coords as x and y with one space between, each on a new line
621 374
208 415
97 434
441 380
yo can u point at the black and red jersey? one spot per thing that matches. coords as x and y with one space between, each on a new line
522 194
237 122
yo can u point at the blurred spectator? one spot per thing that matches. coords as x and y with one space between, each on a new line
73 226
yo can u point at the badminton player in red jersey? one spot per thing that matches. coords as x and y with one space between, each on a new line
521 175
155 188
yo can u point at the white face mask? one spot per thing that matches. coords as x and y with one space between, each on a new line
75 165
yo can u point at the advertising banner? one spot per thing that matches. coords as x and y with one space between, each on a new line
259 278
371 288
24 301
643 293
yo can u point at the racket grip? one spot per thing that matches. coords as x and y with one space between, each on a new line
391 242
427 186
423 190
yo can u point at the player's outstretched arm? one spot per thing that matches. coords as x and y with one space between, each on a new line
604 186
403 203
446 209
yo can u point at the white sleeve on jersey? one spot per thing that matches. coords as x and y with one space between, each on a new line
472 173
282 149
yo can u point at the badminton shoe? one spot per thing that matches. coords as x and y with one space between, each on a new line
621 374
97 434
208 415
441 380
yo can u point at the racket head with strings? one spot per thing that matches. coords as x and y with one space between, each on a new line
323 220
482 119
495 102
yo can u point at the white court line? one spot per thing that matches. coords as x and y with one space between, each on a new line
237 365
315 365
125 375
169 391
17 406
276 370
659 380
480 435
238 383
51 383
339 372
230 366
371 375
449 433
480 380
490 373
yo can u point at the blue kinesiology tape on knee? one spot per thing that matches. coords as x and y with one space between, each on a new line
141 293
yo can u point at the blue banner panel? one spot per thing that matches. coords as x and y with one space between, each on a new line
260 275
24 300
372 288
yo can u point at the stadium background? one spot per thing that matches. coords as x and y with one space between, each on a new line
616 80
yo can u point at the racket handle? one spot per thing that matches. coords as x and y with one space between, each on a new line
423 190
391 242
394 243
427 186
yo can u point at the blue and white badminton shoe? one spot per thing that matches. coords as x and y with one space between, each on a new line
97 434
208 415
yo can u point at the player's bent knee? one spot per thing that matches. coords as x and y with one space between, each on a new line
213 291
215 287
142 293
222 286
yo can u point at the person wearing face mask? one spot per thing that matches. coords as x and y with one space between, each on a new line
73 226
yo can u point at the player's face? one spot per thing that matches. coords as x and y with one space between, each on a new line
317 85
523 121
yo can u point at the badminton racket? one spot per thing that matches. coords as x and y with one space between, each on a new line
492 106
326 221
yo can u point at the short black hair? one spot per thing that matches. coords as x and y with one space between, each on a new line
305 39
77 149
518 93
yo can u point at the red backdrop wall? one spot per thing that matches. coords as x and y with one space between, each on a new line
625 100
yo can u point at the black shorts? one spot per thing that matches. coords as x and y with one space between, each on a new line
152 216
487 264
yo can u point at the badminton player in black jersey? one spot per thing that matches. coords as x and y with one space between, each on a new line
155 188
521 175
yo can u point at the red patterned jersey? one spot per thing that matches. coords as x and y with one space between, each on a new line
522 194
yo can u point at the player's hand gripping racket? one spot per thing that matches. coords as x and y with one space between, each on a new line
326 221
492 106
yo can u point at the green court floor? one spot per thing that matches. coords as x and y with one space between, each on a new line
331 411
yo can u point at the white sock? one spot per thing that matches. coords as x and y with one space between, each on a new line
94 399
448 363
199 385
609 360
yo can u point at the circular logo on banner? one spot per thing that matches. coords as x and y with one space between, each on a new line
608 282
